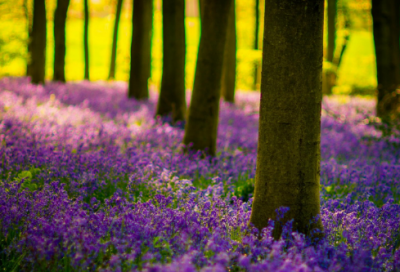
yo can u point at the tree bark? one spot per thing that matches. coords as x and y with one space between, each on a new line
172 98
229 66
256 47
38 42
201 128
60 18
332 11
386 28
86 38
142 20
288 161
111 75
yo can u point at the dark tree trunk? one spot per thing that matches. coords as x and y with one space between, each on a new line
38 42
202 126
256 47
288 161
332 11
172 94
142 20
86 38
386 27
229 68
29 29
115 39
60 18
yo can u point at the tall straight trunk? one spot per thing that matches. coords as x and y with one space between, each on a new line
229 66
60 18
172 95
256 47
111 75
86 38
29 30
332 14
142 20
38 42
201 128
386 27
288 161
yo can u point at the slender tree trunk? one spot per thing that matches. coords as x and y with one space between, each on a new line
142 20
38 42
256 47
115 39
332 11
29 29
386 27
229 68
202 126
172 95
60 18
288 161
86 38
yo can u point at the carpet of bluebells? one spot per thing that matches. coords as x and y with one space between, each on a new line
91 181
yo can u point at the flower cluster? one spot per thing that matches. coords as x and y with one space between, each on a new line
91 181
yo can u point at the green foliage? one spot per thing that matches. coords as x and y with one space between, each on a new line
26 178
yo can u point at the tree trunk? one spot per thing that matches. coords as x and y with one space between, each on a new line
172 95
115 38
29 29
332 11
38 42
288 162
229 66
386 27
202 126
142 20
86 38
60 18
256 47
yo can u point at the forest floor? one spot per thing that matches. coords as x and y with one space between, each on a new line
91 181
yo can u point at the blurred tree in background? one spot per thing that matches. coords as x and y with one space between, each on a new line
86 37
118 10
202 124
140 72
172 98
60 19
38 42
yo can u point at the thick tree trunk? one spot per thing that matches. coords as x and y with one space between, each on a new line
256 47
111 75
288 162
172 95
332 11
86 38
60 18
142 20
202 126
229 68
38 42
386 27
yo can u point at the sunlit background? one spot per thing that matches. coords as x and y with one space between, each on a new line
356 74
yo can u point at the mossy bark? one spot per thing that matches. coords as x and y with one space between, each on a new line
201 128
86 38
38 42
229 66
142 20
288 161
60 18
386 28
111 75
172 98
331 20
